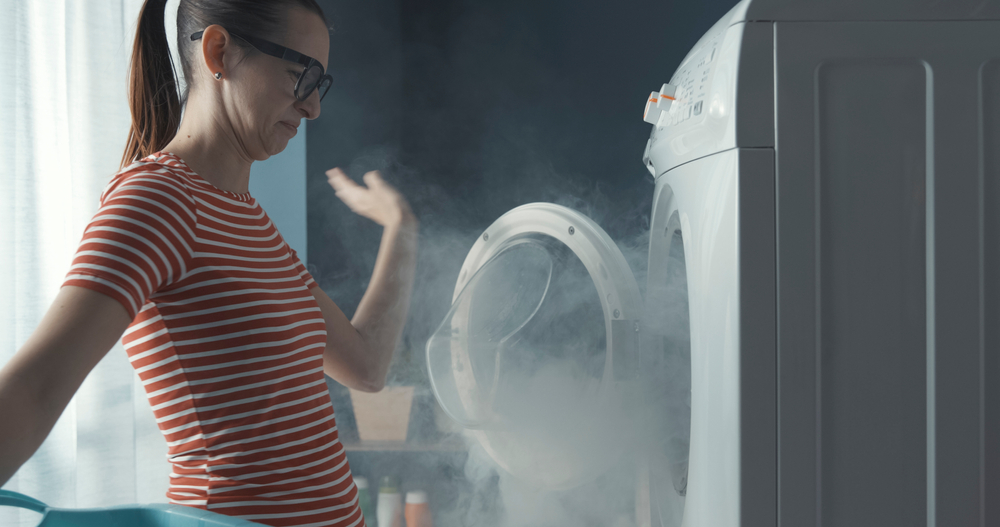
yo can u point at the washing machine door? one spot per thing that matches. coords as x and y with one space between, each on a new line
538 356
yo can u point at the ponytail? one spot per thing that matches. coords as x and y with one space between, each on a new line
152 87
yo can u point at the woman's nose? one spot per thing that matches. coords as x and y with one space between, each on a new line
310 107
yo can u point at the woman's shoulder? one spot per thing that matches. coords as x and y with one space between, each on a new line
157 177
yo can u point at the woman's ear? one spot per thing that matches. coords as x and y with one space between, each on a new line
215 43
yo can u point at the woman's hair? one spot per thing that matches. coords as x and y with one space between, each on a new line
152 91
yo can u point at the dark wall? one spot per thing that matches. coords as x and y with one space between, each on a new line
474 107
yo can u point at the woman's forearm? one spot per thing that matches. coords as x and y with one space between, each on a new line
39 381
381 314
27 420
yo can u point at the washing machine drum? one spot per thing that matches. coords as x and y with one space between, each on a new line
538 356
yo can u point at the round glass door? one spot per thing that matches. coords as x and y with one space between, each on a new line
539 351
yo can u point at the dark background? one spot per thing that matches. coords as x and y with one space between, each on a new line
473 107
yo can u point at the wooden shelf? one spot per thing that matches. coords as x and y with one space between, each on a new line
448 445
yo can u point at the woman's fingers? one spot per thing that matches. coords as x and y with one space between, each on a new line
347 190
339 180
373 178
375 200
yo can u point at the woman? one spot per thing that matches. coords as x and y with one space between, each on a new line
226 328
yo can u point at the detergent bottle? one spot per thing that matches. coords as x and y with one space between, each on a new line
389 511
417 512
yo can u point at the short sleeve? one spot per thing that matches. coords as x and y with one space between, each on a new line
140 241
300 268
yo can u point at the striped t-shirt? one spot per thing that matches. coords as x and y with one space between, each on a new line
228 342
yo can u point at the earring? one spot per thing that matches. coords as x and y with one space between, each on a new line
218 75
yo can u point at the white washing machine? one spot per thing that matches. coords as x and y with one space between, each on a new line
820 338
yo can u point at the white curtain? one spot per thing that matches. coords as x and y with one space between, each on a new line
63 124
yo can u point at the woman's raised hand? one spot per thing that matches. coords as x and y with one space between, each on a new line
375 200
365 353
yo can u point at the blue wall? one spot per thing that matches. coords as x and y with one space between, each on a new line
279 185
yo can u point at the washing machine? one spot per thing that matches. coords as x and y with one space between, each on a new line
819 341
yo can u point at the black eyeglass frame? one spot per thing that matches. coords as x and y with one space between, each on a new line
276 50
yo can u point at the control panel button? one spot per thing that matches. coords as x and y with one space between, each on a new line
697 107
658 103
652 113
667 95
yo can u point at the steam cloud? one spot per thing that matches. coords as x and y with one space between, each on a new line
492 119
550 386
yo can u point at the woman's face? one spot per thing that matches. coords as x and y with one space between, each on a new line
260 98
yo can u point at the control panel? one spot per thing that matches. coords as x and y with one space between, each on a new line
693 114
692 80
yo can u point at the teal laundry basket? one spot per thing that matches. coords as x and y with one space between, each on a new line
155 515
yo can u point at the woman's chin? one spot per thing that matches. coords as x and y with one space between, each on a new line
277 146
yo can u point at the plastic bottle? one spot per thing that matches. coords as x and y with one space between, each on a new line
417 512
365 501
389 512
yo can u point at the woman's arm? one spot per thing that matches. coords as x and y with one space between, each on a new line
39 381
358 353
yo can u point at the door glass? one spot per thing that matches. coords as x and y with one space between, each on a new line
524 345
501 298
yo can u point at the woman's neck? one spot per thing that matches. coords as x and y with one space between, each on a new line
211 149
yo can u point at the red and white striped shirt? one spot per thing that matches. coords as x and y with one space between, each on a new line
228 342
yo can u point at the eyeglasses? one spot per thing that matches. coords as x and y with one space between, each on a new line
311 77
